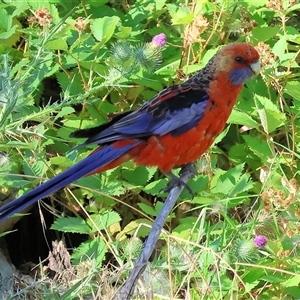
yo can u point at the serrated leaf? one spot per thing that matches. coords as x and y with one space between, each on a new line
227 181
59 44
155 187
61 161
71 224
5 35
271 117
259 147
264 33
138 176
292 281
149 210
39 167
72 85
90 250
5 20
135 228
243 184
103 221
114 188
280 47
104 28
241 118
124 32
293 89
66 110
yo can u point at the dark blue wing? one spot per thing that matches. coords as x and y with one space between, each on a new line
174 110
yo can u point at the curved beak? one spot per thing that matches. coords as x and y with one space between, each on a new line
255 67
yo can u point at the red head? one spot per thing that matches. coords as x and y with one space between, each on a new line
239 60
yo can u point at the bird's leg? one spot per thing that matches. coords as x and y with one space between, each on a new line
185 169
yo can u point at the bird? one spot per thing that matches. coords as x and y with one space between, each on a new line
173 129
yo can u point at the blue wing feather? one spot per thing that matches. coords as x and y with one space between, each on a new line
175 110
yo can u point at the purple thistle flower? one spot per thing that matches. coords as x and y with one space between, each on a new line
260 241
159 40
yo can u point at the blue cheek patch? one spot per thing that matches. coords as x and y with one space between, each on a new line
240 76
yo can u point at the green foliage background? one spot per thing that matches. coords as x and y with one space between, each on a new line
58 74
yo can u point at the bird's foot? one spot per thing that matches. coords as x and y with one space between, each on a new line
186 170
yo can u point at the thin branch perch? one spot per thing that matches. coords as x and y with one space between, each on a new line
187 171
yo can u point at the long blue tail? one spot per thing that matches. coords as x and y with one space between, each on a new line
91 163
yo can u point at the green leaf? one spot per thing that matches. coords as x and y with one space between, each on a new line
292 281
66 110
271 117
136 227
5 20
114 188
71 224
242 118
264 33
149 210
139 176
103 221
104 28
90 250
72 84
260 147
124 32
293 89
5 35
58 44
227 183
155 187
280 47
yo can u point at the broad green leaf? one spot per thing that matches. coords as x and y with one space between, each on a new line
227 181
293 89
271 117
71 224
243 184
139 227
149 210
124 32
58 44
104 28
91 250
264 33
155 187
138 176
290 8
198 184
159 4
242 118
292 281
114 188
259 146
5 20
5 35
72 84
67 110
103 221
280 47
61 161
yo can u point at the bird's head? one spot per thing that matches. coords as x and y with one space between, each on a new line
239 60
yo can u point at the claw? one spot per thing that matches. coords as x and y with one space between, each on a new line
177 181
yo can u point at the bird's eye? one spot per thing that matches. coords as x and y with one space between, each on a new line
239 59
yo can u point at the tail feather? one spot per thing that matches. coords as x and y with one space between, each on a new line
88 165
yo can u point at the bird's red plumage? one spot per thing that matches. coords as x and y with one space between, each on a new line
167 151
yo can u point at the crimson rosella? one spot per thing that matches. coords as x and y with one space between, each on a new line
174 128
